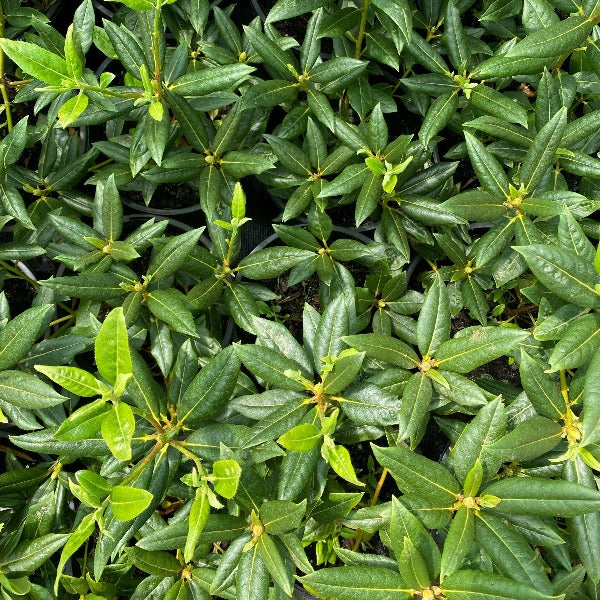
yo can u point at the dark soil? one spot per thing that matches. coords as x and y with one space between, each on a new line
295 28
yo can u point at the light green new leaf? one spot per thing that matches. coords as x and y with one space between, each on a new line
339 459
226 477
301 438
111 348
199 513
117 430
84 422
128 502
74 380
72 109
38 62
83 531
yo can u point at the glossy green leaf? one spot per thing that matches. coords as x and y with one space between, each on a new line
481 585
19 334
544 497
26 391
476 346
540 156
458 543
111 348
210 80
128 502
384 348
415 473
563 273
212 387
118 428
38 62
199 513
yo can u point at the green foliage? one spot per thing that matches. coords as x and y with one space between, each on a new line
407 408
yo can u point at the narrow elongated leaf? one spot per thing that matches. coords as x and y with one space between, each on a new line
540 156
415 473
274 562
112 348
433 325
271 262
210 80
585 529
384 348
481 585
209 391
19 334
252 576
542 390
37 62
563 273
528 440
487 427
354 583
477 346
438 116
488 169
560 38
416 398
26 391
493 102
578 344
172 255
544 497
458 542
31 554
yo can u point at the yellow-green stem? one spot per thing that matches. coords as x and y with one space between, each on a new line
359 533
142 465
563 386
156 47
362 28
